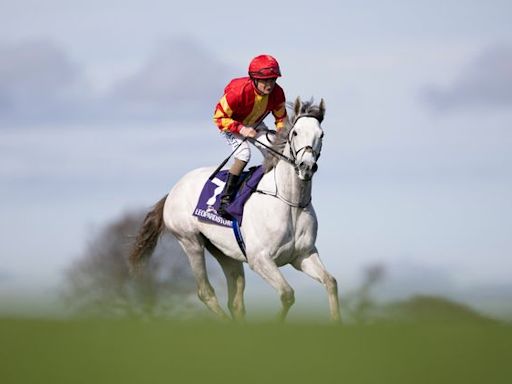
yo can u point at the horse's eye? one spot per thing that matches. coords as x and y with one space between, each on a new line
322 135
294 133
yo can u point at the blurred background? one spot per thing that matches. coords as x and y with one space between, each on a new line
104 105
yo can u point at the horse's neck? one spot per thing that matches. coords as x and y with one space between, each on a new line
289 186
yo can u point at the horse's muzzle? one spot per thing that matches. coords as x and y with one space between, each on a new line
306 171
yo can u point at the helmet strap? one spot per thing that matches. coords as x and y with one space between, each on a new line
255 83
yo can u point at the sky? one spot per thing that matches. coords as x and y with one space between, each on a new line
105 105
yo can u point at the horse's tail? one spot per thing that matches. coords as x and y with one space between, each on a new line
148 236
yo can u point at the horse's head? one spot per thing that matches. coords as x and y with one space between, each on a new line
305 137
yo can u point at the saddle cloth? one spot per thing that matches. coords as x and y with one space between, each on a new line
209 200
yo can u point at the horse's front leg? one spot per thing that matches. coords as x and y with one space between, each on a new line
312 266
267 269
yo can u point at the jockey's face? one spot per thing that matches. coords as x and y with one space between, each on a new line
265 86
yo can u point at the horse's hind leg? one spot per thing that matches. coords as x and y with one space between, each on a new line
235 277
312 266
194 249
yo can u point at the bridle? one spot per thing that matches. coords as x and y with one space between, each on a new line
292 160
294 153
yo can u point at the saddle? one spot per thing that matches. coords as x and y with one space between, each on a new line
209 200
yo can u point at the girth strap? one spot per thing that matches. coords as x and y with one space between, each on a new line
238 236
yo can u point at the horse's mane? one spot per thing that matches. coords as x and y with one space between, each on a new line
306 108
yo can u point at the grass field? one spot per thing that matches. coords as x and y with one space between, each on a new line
166 351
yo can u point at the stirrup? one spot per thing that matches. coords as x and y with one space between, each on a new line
222 209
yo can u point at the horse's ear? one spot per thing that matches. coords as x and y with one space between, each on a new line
297 106
322 109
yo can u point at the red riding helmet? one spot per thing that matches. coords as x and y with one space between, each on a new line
264 67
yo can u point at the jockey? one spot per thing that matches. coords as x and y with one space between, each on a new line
240 113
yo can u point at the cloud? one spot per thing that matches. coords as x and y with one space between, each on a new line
34 68
180 71
485 82
39 82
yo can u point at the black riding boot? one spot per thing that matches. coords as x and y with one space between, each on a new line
228 194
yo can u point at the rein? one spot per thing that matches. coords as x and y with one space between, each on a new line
273 151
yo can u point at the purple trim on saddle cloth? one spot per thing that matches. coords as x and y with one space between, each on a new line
209 200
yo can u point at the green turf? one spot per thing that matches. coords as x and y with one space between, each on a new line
163 351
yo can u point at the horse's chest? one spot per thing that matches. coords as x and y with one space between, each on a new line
304 240
300 239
